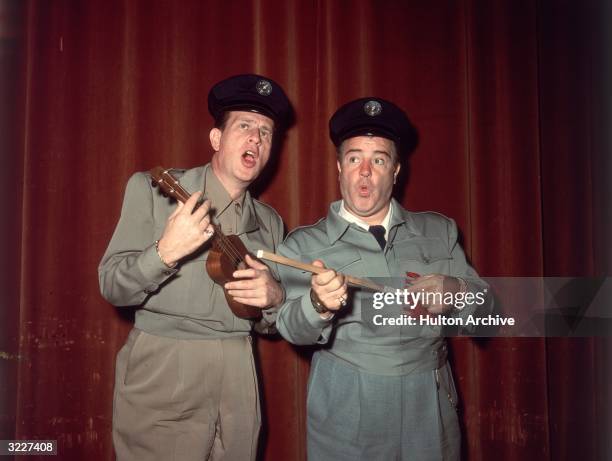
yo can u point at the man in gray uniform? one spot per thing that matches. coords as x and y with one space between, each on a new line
185 384
375 394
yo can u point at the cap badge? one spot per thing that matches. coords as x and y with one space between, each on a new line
263 87
372 108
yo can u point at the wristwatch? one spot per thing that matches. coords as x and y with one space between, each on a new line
320 308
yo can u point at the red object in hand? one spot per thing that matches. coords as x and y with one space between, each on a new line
418 309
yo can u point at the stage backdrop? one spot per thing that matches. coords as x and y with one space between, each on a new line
511 102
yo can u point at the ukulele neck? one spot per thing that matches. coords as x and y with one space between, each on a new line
173 188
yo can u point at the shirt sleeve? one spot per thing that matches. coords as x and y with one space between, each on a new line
131 269
297 320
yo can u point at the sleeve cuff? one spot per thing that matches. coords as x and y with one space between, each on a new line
267 324
313 317
153 269
315 320
478 291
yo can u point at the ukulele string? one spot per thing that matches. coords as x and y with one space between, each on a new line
225 244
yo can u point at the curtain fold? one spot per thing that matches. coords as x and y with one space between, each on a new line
11 174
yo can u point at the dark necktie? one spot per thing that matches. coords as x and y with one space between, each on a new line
379 235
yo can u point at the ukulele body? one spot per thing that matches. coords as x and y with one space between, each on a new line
220 268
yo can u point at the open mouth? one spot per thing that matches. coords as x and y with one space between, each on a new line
363 190
249 158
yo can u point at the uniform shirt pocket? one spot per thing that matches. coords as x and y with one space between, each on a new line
423 255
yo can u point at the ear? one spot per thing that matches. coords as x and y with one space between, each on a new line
215 138
396 172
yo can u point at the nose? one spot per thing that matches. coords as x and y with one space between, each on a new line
255 136
365 169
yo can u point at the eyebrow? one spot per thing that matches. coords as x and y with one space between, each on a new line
252 120
384 152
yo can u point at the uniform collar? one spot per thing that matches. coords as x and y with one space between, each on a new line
401 218
337 226
350 217
216 193
203 178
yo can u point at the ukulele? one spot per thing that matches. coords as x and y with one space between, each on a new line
227 252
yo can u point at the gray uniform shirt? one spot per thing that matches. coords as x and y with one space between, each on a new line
182 302
424 243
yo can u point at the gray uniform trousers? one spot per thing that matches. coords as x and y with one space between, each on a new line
354 415
185 399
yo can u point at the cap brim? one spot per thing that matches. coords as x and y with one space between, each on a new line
249 107
368 130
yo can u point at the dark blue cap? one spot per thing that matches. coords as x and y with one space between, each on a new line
250 92
373 116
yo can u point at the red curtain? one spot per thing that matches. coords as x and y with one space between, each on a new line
512 102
